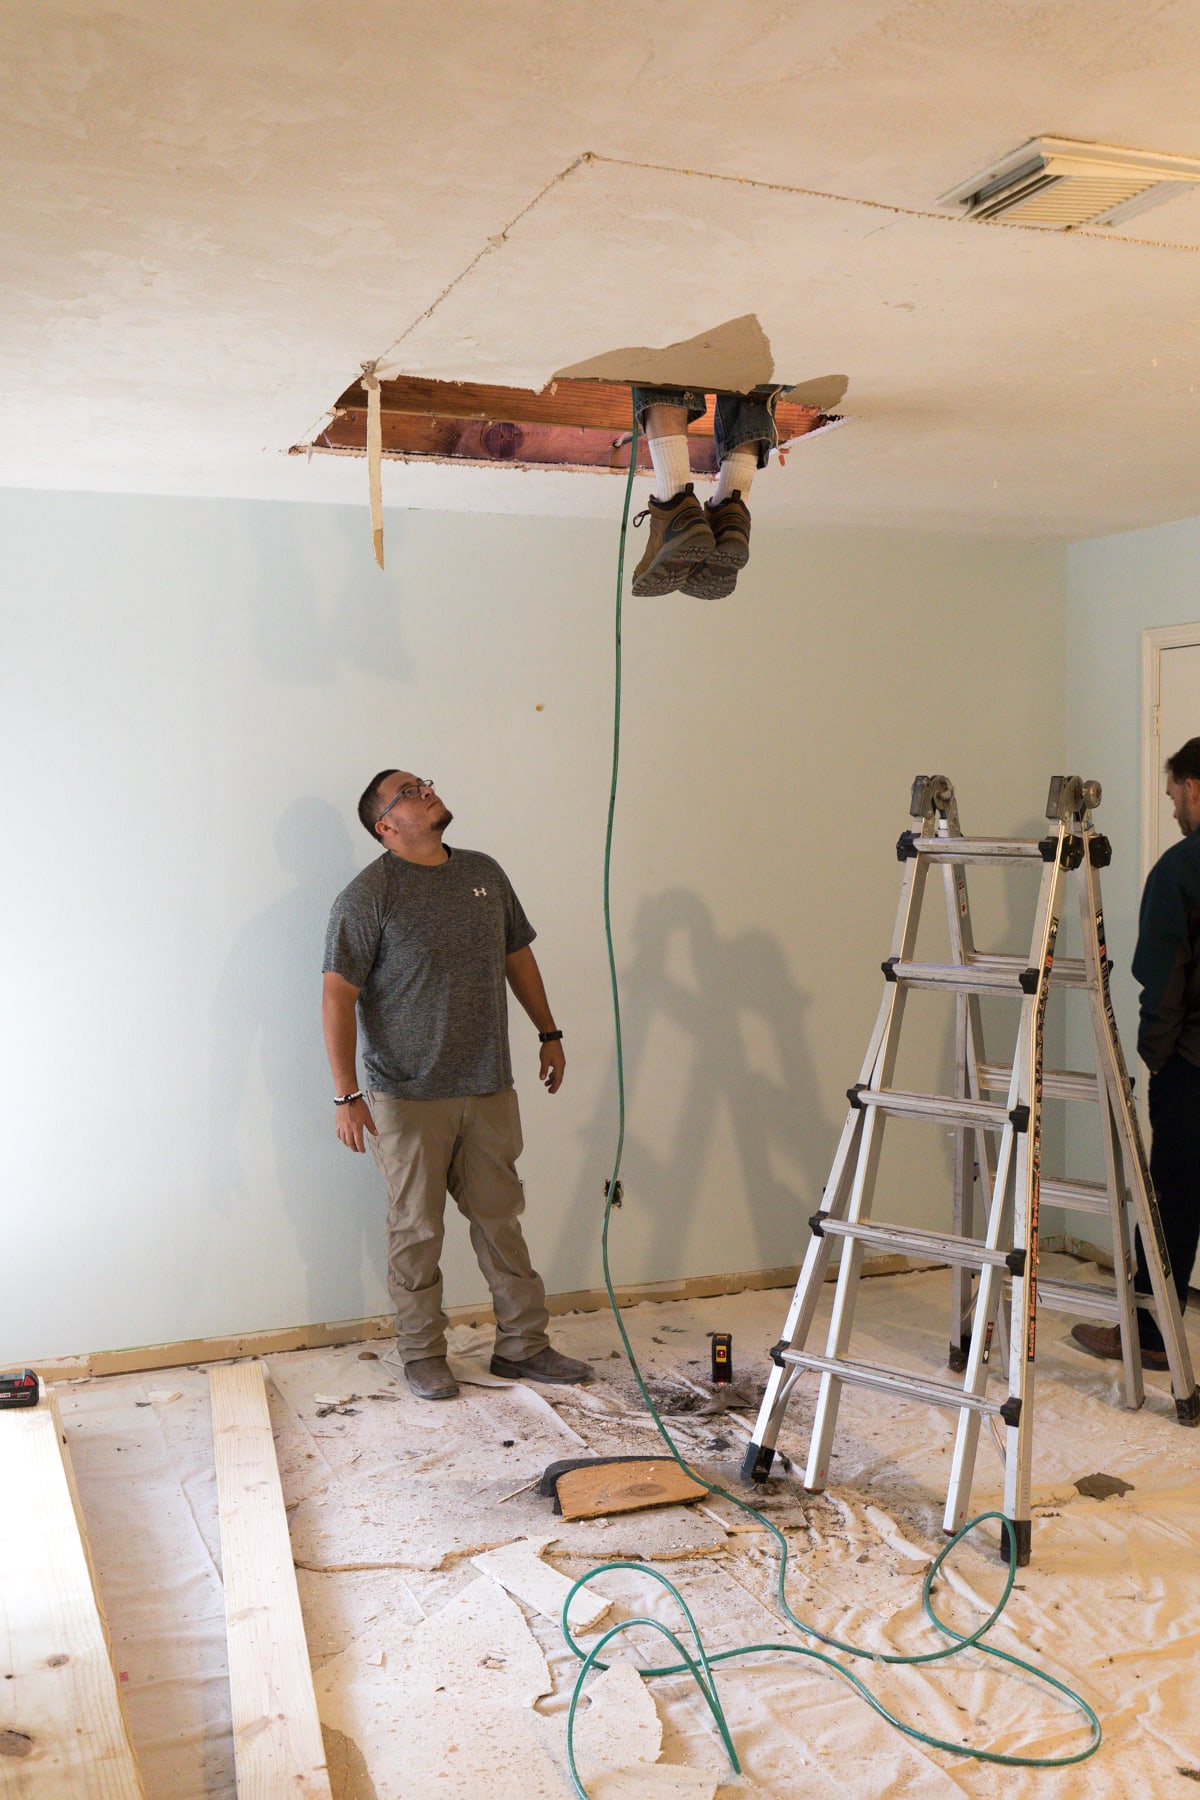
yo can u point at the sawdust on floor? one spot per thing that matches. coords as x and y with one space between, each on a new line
390 1499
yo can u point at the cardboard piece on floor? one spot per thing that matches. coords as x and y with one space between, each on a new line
625 1487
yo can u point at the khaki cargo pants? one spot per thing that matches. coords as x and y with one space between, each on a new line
467 1148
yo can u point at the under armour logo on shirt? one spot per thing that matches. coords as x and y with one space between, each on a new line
478 891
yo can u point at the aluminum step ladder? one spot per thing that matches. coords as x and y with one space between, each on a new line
996 1115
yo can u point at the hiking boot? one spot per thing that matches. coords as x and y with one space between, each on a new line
730 521
680 537
430 1378
1105 1341
548 1365
709 581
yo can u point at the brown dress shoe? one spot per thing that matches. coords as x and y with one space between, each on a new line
547 1365
430 1378
1105 1341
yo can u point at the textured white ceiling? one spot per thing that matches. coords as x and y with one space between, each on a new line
212 215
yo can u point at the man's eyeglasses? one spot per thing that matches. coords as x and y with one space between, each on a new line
411 792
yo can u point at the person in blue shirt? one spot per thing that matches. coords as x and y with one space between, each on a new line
1166 962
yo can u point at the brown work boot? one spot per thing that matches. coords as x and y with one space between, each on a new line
680 537
430 1378
547 1365
1105 1341
730 521
709 581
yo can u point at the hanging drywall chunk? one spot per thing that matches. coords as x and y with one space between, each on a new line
370 382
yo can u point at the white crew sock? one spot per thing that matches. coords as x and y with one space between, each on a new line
737 472
672 467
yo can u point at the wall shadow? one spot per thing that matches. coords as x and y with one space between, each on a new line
728 996
267 1003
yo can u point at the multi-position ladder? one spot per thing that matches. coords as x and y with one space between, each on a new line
997 1142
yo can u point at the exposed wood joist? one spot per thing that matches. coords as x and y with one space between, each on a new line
278 1750
63 1733
569 424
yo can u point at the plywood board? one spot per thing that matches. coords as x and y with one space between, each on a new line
63 1734
624 1487
276 1733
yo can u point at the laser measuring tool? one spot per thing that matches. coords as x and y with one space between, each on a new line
722 1355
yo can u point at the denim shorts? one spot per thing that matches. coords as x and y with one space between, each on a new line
739 418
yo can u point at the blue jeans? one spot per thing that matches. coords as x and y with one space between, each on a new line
739 419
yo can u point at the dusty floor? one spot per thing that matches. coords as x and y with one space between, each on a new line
432 1680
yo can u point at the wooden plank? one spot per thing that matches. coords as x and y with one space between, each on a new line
597 404
383 1325
624 1487
503 444
63 1733
584 405
277 1743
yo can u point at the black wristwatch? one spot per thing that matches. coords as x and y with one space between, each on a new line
549 1037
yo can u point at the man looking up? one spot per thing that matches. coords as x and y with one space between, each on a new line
1167 964
418 950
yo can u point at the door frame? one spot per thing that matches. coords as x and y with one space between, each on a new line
1154 641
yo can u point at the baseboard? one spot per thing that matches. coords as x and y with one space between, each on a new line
364 1331
354 1331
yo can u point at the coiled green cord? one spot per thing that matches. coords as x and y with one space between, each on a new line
699 1666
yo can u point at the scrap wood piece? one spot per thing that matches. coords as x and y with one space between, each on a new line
277 1742
63 1732
519 1568
617 1487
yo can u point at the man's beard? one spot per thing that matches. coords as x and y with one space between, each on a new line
439 821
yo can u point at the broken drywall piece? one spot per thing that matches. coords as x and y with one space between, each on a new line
823 391
618 1737
731 358
619 1725
450 1711
473 1374
519 1568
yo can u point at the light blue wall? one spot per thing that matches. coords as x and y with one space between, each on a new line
194 693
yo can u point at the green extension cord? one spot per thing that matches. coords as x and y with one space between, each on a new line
699 1665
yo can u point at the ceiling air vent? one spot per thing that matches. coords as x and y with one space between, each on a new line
1061 183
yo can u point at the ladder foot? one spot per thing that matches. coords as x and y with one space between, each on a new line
957 1356
1188 1411
1022 1531
756 1465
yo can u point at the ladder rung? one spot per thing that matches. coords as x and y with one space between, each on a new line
985 974
969 849
1057 1084
1079 1196
986 1113
890 1381
1079 1297
968 1253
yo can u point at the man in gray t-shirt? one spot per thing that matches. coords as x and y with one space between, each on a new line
418 953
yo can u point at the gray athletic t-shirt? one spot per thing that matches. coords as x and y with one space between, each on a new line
426 947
